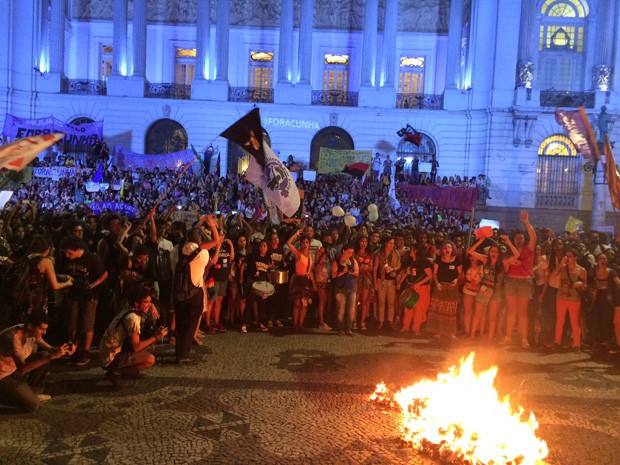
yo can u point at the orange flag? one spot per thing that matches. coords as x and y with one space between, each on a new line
612 175
16 155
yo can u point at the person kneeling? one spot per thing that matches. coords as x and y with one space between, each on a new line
121 352
23 365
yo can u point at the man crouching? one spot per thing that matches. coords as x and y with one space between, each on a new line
24 362
121 352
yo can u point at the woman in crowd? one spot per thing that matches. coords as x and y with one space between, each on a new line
257 271
473 283
364 280
549 294
344 273
418 275
322 271
236 296
518 284
302 283
442 311
573 281
385 269
600 323
489 298
541 276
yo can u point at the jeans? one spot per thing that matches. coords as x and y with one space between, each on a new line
345 301
20 390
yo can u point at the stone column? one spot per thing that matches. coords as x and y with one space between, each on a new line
139 38
603 51
222 40
285 52
306 29
203 39
21 34
119 41
389 58
203 87
369 43
52 81
527 92
454 99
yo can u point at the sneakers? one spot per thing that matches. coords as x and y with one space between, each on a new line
279 324
43 397
363 327
83 358
325 327
262 328
270 324
354 325
244 329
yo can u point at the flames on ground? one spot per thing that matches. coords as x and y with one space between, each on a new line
460 418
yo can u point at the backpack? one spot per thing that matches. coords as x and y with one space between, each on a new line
182 287
16 288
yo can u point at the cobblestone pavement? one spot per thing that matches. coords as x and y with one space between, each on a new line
280 398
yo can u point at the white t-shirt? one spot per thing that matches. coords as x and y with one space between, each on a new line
115 335
198 264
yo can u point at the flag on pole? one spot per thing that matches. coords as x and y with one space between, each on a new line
579 131
265 169
612 175
16 155
392 192
98 177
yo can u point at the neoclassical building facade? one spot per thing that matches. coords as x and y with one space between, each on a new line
480 79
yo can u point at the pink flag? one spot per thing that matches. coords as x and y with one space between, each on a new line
16 155
579 131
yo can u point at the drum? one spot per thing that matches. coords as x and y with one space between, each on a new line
263 289
409 298
278 276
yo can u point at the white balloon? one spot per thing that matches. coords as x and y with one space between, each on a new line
350 221
372 208
337 211
374 216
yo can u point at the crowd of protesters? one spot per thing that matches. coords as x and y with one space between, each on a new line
121 284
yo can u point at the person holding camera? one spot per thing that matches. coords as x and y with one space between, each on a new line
24 362
122 350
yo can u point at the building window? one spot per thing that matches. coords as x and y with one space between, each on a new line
106 53
165 136
411 80
261 75
335 79
558 173
561 45
184 65
418 159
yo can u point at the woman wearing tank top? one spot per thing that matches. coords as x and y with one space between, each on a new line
302 283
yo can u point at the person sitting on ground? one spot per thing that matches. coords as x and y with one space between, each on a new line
22 369
121 352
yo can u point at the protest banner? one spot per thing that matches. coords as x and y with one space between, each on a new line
332 161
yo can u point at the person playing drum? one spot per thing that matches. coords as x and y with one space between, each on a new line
257 273
277 308
302 283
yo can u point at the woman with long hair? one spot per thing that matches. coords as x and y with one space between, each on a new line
442 311
489 298
257 271
302 283
418 275
386 266
573 281
344 274
364 280
601 317
518 283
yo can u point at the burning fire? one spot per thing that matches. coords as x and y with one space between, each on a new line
460 417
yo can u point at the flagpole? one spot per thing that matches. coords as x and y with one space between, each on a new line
471 225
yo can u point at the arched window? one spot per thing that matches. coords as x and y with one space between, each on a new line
412 154
331 137
561 45
165 136
238 159
558 173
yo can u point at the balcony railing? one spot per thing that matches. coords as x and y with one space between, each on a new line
83 87
167 90
419 101
334 98
553 98
248 94
557 200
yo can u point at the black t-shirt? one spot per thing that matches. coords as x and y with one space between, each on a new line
415 269
221 269
258 268
277 258
84 270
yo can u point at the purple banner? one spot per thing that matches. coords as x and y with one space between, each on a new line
455 198
83 134
120 207
127 160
